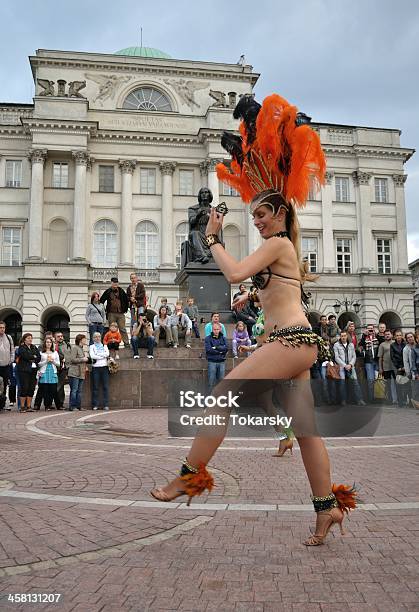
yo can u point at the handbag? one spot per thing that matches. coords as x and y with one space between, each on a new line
380 388
333 371
401 379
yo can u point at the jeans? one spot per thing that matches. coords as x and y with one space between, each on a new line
195 329
180 332
100 380
95 327
76 385
144 342
345 383
4 374
370 370
391 391
216 372
47 393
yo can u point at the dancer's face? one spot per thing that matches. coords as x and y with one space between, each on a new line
267 223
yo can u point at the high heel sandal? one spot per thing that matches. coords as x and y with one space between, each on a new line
196 481
334 506
284 445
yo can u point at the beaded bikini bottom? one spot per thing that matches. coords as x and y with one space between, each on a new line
297 335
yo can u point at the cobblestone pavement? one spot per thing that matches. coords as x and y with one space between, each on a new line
76 519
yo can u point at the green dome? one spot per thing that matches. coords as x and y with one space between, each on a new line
143 52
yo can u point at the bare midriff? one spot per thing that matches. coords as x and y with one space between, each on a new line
281 303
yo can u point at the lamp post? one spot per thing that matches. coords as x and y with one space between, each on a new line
347 304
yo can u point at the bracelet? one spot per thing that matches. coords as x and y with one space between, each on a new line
212 239
253 295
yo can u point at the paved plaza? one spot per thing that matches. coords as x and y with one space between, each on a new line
76 519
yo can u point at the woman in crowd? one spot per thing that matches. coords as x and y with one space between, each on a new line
29 358
276 159
77 370
47 374
99 354
161 323
240 337
396 355
350 328
95 315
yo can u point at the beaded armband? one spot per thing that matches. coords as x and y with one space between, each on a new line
324 503
212 239
253 295
187 468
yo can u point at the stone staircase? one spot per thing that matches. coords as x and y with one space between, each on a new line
145 383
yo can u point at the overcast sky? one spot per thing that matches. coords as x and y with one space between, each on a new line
352 62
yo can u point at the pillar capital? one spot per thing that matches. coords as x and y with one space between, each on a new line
167 167
127 165
37 156
80 157
361 178
329 174
399 179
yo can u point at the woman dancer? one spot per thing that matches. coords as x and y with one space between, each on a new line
276 160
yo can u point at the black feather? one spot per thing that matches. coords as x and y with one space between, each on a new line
248 110
233 145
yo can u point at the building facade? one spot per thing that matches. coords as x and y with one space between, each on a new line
97 174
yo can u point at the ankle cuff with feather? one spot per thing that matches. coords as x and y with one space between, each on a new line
324 503
187 468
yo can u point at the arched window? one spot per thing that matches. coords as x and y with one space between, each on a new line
147 245
58 241
231 235
105 244
147 99
182 232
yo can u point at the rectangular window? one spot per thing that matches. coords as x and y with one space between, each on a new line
13 173
342 188
106 179
60 175
229 191
185 182
309 252
148 180
381 190
344 255
11 246
384 255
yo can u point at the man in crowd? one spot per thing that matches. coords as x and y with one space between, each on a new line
7 355
215 318
136 297
215 350
386 368
181 326
142 337
369 347
333 329
322 329
191 309
116 306
345 357
64 351
381 333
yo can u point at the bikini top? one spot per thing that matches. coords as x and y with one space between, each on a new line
260 282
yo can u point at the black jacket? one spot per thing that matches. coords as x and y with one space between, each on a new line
27 356
139 295
122 296
396 354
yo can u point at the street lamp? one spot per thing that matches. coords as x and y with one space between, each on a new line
347 303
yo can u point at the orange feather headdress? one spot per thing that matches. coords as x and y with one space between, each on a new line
276 152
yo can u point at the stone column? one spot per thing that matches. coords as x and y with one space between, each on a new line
401 243
167 237
203 168
213 183
253 237
37 158
329 255
363 214
79 211
126 251
2 171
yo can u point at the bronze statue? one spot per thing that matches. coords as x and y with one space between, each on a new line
195 249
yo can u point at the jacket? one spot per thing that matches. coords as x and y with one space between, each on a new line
7 350
191 311
184 321
409 360
28 355
142 332
369 346
77 367
95 313
111 337
216 348
99 361
208 329
139 295
396 354
64 351
344 355
333 332
122 296
44 362
156 321
414 360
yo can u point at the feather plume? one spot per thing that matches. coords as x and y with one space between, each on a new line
195 484
346 496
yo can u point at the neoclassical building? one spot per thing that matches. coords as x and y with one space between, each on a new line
97 174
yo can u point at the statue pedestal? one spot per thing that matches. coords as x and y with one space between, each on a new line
210 290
